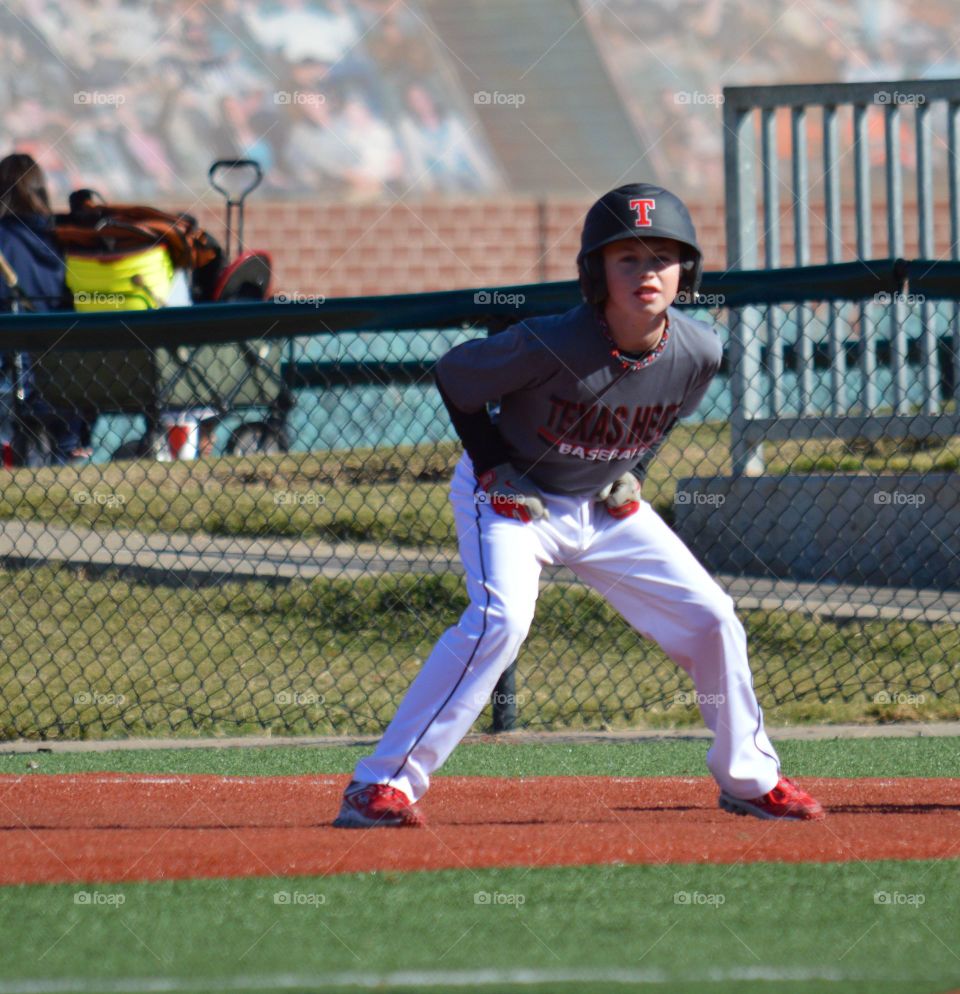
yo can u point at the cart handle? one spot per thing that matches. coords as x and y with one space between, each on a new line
224 164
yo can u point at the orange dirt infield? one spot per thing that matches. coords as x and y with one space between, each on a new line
115 827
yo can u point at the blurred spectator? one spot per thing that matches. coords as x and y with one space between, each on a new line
247 127
29 246
140 98
396 40
376 160
438 147
302 29
311 151
752 42
146 147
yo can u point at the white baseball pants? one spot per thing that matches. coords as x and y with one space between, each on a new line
641 567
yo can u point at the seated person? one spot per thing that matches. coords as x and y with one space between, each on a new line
28 244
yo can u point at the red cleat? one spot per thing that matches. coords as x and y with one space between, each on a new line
376 805
786 800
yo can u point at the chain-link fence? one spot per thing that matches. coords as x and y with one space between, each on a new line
252 531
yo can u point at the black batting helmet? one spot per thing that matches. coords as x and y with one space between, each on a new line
638 210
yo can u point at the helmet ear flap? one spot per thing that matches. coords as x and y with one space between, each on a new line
691 271
593 283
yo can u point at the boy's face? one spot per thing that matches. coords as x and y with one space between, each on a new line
643 275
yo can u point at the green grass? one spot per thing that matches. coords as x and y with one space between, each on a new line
84 657
862 455
396 495
94 657
691 927
873 757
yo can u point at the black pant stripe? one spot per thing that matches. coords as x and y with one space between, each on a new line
446 701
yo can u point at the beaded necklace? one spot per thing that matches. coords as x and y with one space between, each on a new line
644 360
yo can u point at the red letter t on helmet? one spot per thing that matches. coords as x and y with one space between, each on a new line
643 208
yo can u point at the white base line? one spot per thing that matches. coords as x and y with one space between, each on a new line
420 979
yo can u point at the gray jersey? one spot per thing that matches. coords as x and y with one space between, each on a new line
572 417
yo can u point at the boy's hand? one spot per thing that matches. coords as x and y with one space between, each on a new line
622 497
512 495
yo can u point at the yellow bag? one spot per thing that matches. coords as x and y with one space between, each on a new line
134 281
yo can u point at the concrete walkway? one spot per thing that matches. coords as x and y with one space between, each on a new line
900 730
203 560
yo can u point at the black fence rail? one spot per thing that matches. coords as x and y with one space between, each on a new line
234 518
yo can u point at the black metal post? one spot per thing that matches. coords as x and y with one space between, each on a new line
504 701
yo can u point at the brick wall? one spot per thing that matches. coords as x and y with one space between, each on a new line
342 250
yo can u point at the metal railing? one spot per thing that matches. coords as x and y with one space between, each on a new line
748 111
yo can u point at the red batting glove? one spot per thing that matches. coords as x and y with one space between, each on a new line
511 495
622 497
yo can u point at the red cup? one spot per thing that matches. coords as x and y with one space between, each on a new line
177 437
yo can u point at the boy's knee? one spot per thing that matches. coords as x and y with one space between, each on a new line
510 622
513 625
715 615
498 621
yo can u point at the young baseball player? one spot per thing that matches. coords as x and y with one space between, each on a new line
586 398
